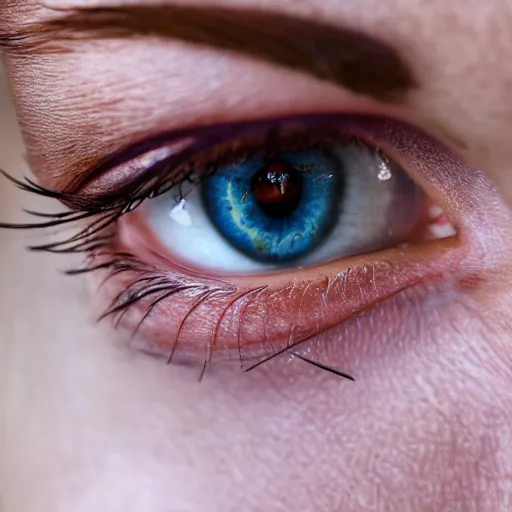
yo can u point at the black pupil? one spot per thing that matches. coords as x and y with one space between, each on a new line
277 188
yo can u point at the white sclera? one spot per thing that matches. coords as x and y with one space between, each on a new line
185 228
372 188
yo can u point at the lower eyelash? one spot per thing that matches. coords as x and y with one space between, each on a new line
151 287
149 284
236 320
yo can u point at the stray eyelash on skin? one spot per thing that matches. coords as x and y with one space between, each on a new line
97 238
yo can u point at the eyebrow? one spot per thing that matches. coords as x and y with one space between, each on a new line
340 55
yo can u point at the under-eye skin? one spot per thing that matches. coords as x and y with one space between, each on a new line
239 241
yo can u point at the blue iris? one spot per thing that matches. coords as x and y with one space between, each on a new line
290 228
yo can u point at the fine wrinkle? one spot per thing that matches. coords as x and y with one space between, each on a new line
333 53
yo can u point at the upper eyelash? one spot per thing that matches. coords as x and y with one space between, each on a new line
155 180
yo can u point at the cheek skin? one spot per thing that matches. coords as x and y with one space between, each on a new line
424 427
434 405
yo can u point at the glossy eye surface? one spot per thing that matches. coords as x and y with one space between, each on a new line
290 208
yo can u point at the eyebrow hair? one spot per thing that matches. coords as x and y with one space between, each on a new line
343 56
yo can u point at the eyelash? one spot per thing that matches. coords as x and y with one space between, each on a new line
96 240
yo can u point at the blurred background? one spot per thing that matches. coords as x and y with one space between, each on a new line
26 363
11 149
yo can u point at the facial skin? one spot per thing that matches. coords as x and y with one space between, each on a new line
426 426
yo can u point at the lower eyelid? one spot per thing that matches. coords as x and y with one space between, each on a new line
209 320
248 318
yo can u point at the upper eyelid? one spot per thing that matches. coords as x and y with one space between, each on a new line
174 149
114 186
196 139
116 198
419 154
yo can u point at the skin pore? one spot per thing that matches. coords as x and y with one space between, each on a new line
93 425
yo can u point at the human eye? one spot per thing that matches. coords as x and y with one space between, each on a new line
242 240
302 201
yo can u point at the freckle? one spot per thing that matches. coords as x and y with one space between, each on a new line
471 282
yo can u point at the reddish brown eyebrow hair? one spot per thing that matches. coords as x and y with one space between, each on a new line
346 57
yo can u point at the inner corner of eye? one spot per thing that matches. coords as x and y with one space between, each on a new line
301 207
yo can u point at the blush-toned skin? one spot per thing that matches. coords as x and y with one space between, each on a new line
90 424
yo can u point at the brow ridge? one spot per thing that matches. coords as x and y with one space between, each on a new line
329 52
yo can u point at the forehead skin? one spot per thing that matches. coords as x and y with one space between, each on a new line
426 429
